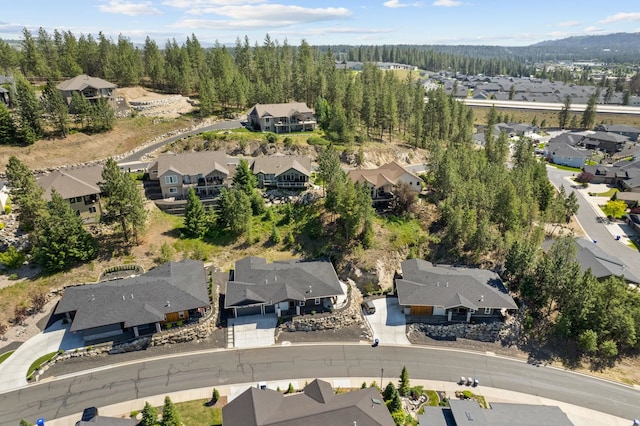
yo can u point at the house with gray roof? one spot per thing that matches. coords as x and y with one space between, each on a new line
282 171
602 266
79 186
281 118
441 293
206 172
605 141
90 88
566 155
174 291
622 129
469 412
316 405
286 287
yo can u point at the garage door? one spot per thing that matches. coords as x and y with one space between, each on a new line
253 310
421 310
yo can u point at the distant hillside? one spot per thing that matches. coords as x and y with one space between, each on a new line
618 41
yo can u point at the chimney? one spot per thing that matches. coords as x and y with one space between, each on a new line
482 298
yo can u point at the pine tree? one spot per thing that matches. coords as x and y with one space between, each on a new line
61 240
207 98
563 115
170 416
149 415
195 220
26 193
8 131
56 107
29 112
235 210
589 115
403 387
244 178
124 203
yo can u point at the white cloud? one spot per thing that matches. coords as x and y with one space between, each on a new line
276 14
335 30
566 24
592 30
6 27
195 4
396 3
447 3
622 16
124 7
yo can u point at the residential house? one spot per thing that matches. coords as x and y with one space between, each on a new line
601 173
623 174
449 293
516 129
91 88
282 287
632 199
317 405
282 171
633 220
385 179
206 172
567 155
5 94
174 291
466 412
621 129
4 195
281 118
602 266
605 141
79 186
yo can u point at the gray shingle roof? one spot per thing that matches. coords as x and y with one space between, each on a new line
278 164
424 284
280 110
255 281
82 81
608 137
566 150
193 163
316 406
468 412
590 256
72 181
172 287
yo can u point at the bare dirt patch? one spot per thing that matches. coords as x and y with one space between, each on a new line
153 104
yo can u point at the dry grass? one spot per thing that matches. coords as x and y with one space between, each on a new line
551 117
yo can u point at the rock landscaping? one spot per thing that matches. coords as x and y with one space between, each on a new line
484 332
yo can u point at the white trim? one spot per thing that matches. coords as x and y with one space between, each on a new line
317 301
487 311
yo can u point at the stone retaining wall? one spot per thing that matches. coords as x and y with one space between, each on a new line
485 332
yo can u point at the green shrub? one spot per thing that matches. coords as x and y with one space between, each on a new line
134 414
13 277
179 324
12 258
1 225
271 137
7 209
317 140
168 326
215 395
288 142
290 389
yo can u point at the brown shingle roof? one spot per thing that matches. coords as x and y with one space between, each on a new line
387 174
278 164
72 182
280 110
193 163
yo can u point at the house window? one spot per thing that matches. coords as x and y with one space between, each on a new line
78 199
487 311
181 314
317 301
171 179
303 303
92 209
173 190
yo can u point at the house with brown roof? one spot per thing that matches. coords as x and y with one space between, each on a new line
91 88
605 142
316 405
281 118
444 293
174 291
79 186
383 180
207 172
282 171
285 287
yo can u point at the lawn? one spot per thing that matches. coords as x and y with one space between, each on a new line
199 413
571 169
37 363
5 356
608 193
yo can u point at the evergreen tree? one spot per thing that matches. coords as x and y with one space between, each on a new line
589 115
26 193
244 179
195 220
153 62
29 112
81 107
124 203
56 107
61 240
387 394
403 387
102 117
8 131
149 415
329 167
235 210
563 115
207 98
170 416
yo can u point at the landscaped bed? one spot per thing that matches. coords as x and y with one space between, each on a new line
38 363
5 356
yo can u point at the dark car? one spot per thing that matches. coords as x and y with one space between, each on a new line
369 307
88 414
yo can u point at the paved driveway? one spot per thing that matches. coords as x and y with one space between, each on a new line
253 331
388 322
14 369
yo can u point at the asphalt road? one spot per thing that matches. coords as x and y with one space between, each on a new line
138 156
120 383
550 106
595 230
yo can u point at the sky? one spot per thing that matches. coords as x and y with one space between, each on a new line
353 22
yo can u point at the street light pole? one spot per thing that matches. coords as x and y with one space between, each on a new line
381 376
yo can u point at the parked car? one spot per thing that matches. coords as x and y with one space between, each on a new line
369 307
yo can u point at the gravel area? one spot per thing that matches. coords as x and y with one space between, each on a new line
473 345
354 333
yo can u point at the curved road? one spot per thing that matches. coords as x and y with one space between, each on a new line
596 231
138 155
550 106
106 386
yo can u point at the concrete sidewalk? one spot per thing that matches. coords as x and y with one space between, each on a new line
14 369
578 415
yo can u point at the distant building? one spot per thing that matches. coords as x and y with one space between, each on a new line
91 88
281 118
